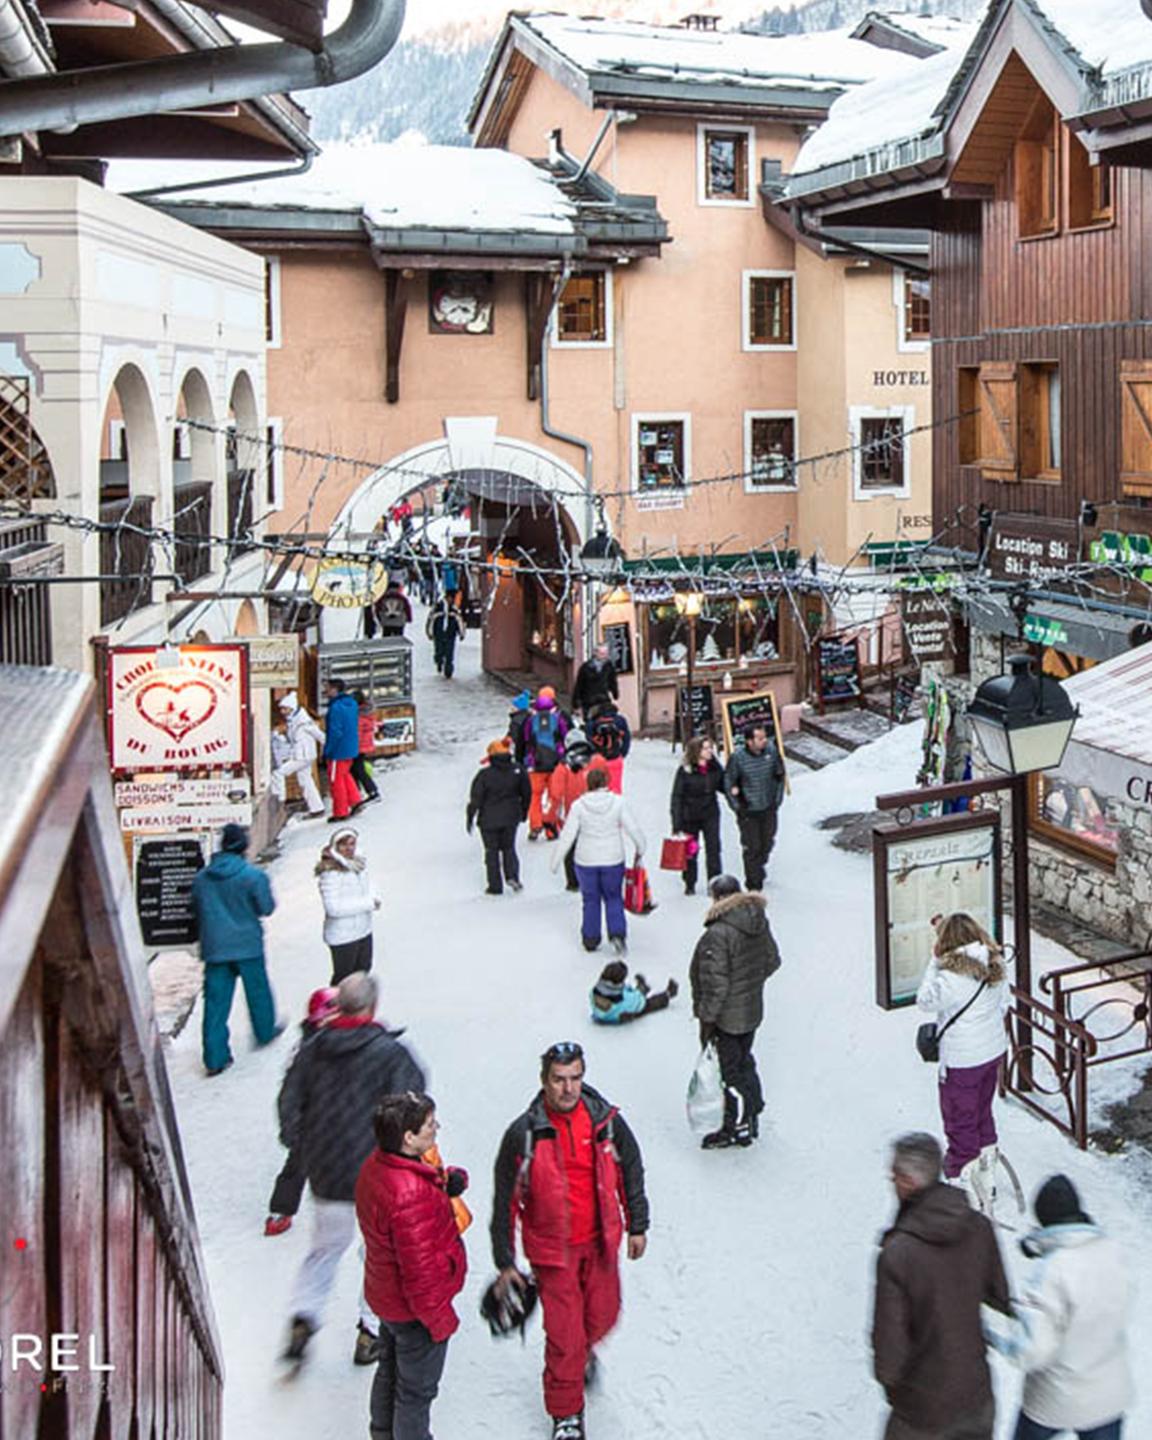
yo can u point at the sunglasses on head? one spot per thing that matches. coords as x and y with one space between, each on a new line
563 1053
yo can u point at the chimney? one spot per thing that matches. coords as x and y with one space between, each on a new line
710 22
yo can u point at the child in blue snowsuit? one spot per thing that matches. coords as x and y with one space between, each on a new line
615 1002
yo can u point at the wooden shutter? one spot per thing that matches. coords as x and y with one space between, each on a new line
1136 427
999 440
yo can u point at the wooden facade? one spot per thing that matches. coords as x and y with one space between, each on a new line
100 1240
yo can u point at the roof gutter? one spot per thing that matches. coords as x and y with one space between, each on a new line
209 77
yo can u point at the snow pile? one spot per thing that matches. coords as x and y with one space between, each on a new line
748 1316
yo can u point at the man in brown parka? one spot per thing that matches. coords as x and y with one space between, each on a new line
938 1263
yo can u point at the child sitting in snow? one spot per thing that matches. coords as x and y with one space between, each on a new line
615 1002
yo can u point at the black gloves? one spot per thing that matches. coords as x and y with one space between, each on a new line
455 1181
707 1032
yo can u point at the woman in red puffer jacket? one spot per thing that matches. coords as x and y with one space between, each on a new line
414 1263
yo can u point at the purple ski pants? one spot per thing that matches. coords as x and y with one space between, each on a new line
966 1096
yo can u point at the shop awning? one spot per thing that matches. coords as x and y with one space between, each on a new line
750 562
1111 748
1075 629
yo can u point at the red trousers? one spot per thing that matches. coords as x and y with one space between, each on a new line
343 787
616 775
539 781
581 1303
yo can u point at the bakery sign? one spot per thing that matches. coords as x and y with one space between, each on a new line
177 708
1031 547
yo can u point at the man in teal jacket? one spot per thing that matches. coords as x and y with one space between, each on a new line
231 898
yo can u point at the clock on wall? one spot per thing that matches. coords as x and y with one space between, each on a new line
460 302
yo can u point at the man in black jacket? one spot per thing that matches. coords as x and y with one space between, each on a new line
499 799
327 1102
730 964
595 682
754 785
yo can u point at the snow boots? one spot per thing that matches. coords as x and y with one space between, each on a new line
299 1334
978 1178
568 1427
725 1138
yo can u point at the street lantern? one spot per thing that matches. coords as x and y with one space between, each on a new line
602 556
688 603
1021 721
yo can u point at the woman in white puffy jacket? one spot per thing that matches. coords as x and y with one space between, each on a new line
350 901
598 826
966 958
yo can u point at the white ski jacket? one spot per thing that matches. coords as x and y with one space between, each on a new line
1070 1329
304 736
597 825
349 901
949 982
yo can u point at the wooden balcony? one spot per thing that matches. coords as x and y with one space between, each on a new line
126 555
193 527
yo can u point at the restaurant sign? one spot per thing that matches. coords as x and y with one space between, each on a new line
1031 547
177 708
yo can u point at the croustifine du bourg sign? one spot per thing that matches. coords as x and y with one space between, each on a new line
178 710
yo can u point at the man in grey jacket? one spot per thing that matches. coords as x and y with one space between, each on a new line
754 785
730 964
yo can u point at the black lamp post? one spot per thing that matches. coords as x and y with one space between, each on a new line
602 556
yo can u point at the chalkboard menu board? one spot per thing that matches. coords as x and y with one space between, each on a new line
618 639
165 870
695 711
837 670
742 711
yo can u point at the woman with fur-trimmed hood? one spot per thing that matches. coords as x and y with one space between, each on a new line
967 970
350 901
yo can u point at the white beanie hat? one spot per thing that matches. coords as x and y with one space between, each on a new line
290 702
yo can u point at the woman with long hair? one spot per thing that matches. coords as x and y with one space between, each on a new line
695 808
965 987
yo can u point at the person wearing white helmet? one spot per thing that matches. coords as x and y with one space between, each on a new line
305 738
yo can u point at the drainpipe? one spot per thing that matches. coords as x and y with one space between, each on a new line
599 140
245 179
21 52
208 77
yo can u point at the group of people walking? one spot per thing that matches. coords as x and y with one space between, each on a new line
345 745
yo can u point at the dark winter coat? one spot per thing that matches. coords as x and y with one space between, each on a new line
530 1184
231 897
329 1096
936 1266
731 962
595 682
754 782
414 1259
342 729
694 793
444 623
501 794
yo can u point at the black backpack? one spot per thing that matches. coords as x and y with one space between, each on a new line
606 737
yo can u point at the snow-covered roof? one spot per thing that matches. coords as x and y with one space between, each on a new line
1108 35
818 62
943 30
404 185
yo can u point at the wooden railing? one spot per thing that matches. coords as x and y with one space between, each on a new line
241 484
192 523
25 610
126 555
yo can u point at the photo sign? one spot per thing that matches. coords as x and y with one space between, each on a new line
740 711
187 715
921 873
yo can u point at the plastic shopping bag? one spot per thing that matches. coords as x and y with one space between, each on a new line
705 1102
637 891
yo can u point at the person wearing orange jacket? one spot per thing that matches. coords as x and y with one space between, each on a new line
366 730
566 784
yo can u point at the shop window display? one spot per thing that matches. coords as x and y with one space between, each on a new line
728 629
1063 811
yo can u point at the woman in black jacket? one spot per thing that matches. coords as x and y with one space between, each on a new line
695 808
499 800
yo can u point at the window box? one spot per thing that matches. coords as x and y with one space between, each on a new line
725 160
770 450
768 312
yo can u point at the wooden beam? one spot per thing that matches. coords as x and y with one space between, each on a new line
962 190
395 313
300 21
539 294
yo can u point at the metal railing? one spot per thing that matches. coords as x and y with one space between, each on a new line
1111 998
127 555
193 526
1047 1064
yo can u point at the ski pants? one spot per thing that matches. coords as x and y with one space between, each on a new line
581 1302
757 837
708 834
361 776
539 782
406 1381
977 1426
743 1096
289 1187
343 787
500 848
333 1230
444 650
602 885
966 1096
353 955
1029 1429
302 769
616 775
220 978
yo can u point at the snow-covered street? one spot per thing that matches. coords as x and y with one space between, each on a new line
748 1316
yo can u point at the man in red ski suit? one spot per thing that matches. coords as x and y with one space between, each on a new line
570 1170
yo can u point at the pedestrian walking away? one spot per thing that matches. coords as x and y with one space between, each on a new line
938 1264
1069 1333
366 740
414 1263
595 682
288 1190
696 808
444 627
232 899
305 742
326 1108
754 785
341 747
965 988
499 801
350 903
732 960
598 827
570 1172
614 1002
611 739
542 747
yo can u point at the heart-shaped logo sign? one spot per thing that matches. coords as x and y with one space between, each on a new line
176 707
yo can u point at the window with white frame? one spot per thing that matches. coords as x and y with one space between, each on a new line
769 450
725 164
583 316
769 310
272 301
880 450
274 465
912 297
661 452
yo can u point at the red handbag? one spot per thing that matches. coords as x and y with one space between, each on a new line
674 854
637 891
